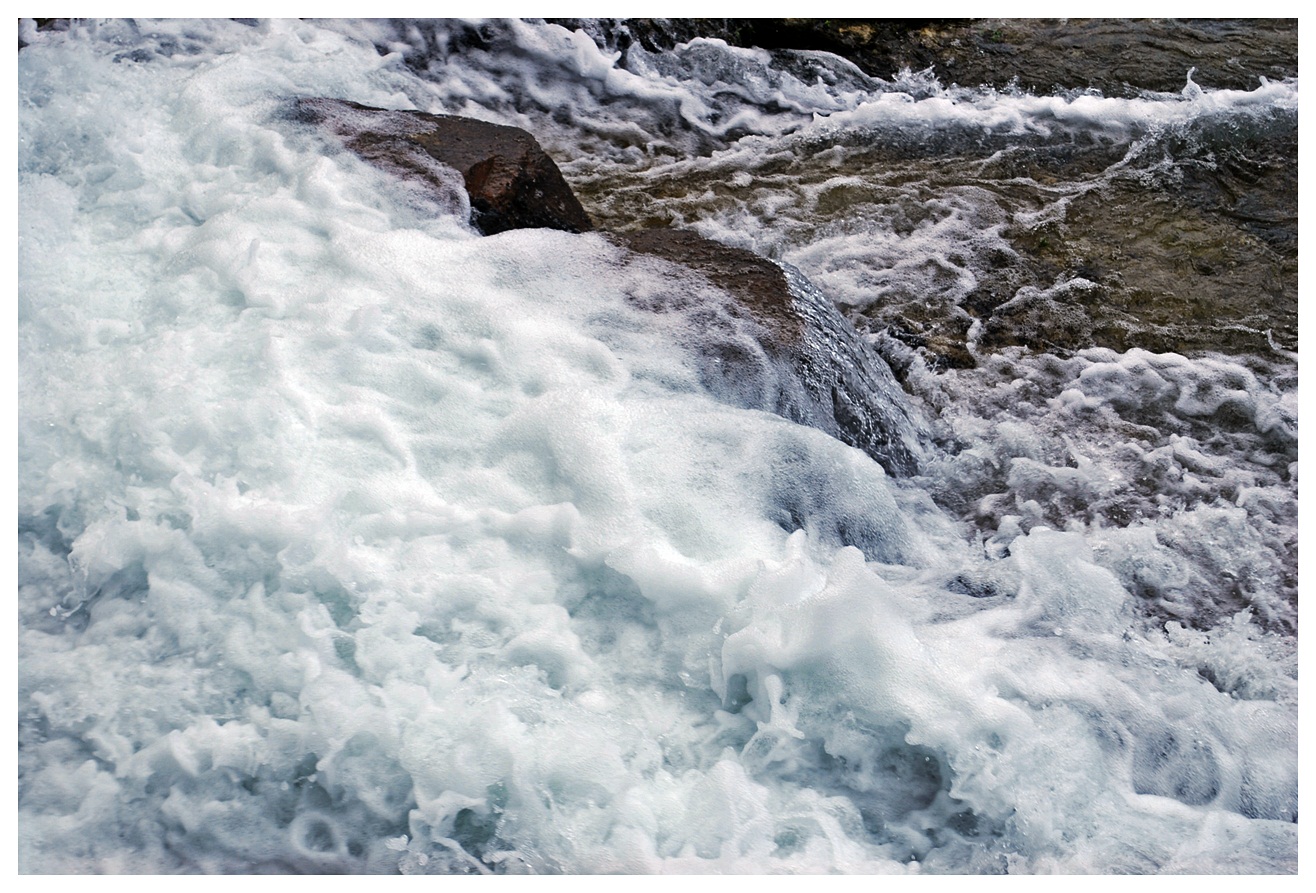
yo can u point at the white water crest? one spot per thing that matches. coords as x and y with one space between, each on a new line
352 541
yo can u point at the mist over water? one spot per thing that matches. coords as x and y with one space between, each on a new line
352 541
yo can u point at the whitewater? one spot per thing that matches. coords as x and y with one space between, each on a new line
352 541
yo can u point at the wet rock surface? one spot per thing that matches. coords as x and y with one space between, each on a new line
511 181
759 285
1116 56
808 365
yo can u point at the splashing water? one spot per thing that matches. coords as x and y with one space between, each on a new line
351 541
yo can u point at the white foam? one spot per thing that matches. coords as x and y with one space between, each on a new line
350 541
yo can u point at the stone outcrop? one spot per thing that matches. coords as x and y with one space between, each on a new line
512 182
778 345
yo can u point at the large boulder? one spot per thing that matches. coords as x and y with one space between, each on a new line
512 182
767 338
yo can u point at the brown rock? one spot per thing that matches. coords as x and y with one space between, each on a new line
806 362
778 345
512 182
755 282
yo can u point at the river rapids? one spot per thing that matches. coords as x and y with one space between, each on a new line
351 541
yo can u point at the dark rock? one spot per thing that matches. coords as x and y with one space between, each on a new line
41 25
778 345
757 283
512 182
807 363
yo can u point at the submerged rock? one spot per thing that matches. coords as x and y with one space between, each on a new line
811 366
512 182
783 349
756 282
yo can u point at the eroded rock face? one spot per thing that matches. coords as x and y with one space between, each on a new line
512 182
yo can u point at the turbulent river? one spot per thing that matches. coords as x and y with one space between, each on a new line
351 541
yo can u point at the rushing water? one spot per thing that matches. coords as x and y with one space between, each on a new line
351 541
